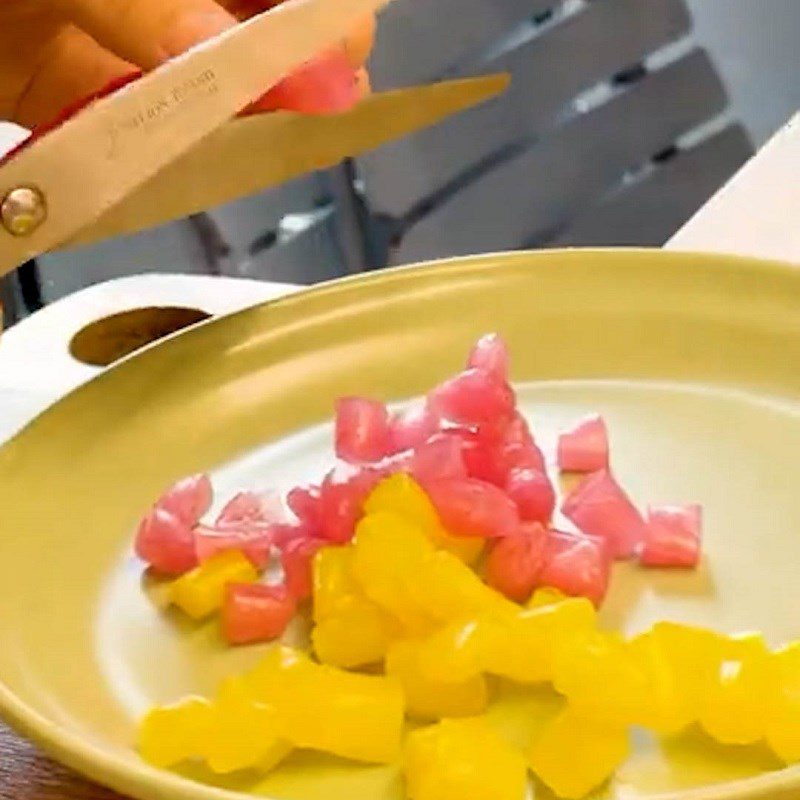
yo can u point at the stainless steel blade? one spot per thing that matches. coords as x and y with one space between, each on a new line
251 154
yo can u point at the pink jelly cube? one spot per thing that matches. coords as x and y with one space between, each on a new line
470 507
297 559
342 500
362 430
411 428
584 448
514 562
473 397
599 506
253 612
576 565
252 508
305 502
439 457
188 499
283 533
509 430
254 542
492 460
165 542
490 354
533 494
672 537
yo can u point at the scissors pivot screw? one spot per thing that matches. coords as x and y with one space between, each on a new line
23 210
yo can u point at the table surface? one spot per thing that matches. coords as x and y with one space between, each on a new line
35 371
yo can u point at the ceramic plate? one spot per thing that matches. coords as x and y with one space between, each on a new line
692 359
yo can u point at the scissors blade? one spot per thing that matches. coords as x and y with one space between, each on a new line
251 154
104 153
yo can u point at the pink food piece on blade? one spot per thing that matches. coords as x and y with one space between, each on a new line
598 506
584 448
362 430
673 536
297 560
490 354
514 562
165 542
247 508
256 543
440 457
533 493
576 565
470 507
473 397
411 428
325 84
341 503
188 499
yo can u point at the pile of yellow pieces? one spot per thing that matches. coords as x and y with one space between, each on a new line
402 595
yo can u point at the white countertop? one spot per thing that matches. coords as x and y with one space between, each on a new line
36 368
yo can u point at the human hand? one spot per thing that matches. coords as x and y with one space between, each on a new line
54 52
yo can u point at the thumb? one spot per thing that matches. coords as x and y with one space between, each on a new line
148 32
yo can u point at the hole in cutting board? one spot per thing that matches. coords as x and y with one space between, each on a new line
106 340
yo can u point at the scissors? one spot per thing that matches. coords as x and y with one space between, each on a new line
167 144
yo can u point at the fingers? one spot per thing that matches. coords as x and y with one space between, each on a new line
118 34
148 32
363 84
73 67
358 43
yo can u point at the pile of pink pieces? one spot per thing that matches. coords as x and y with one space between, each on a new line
472 451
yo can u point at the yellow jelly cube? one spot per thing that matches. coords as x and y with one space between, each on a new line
201 592
575 753
175 733
426 699
694 655
357 634
600 675
783 727
401 495
672 709
546 596
738 706
278 750
389 553
244 731
467 548
462 758
324 708
332 580
524 648
454 653
448 590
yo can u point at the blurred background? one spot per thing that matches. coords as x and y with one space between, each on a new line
624 116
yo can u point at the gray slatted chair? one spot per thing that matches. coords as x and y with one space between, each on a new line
285 234
612 132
